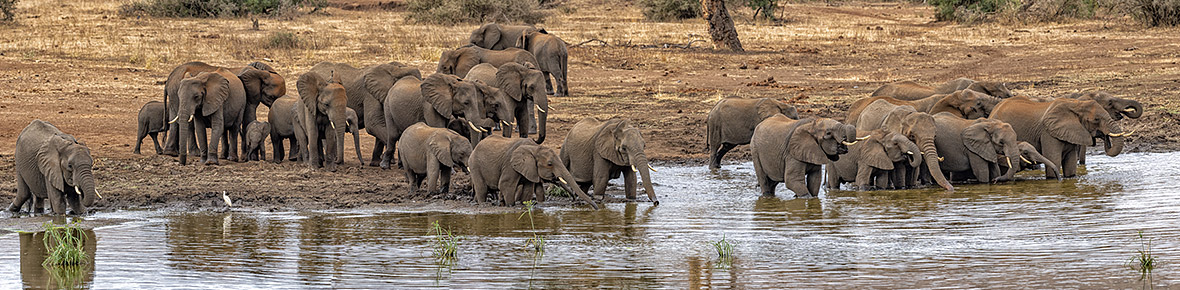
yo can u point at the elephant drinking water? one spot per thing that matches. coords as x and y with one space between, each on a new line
52 165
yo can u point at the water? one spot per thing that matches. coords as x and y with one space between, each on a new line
1040 234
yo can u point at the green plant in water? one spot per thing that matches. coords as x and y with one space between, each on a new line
557 191
724 252
446 246
64 245
537 241
1143 261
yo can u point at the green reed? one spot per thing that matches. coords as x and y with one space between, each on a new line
446 245
64 244
537 241
557 191
724 252
1144 261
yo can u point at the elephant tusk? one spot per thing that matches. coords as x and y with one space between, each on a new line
846 143
539 108
563 181
863 138
909 152
1025 159
505 123
174 119
190 118
97 194
1009 160
633 169
1122 134
940 158
653 169
1129 110
473 127
76 190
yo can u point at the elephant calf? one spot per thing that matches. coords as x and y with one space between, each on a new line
793 152
597 151
282 127
516 167
430 153
354 129
732 121
151 122
51 164
869 162
256 133
1030 158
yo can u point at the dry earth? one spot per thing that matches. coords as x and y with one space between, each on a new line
80 66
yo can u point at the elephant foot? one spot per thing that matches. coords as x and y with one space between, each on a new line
230 158
136 152
171 153
384 164
211 161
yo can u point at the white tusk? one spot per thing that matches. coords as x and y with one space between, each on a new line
562 181
653 169
940 158
468 168
1009 160
1122 134
846 143
225 197
76 190
863 138
1129 110
190 118
174 119
633 169
473 127
1025 159
539 108
97 194
909 152
505 123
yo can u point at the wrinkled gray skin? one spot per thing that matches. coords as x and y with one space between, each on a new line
460 61
515 167
869 161
354 129
151 122
731 123
52 165
910 91
431 153
551 52
213 100
995 89
966 104
915 126
793 152
256 133
1030 158
519 85
596 151
440 101
282 124
1115 106
366 90
322 112
1059 129
260 82
976 147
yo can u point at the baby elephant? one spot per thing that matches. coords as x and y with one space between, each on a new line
516 167
869 162
151 122
256 134
430 153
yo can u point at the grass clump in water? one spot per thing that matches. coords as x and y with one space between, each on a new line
724 252
537 241
446 246
64 245
1144 261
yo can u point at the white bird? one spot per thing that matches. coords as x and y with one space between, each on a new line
225 198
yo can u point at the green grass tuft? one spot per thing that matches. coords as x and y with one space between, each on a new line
724 252
1144 261
537 241
446 246
64 245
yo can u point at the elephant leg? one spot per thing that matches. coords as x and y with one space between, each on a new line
172 138
540 192
764 182
629 183
548 83
882 180
388 154
218 128
261 151
864 175
1082 154
75 204
378 153
814 181
232 146
584 186
38 205
479 187
979 167
22 194
432 173
444 179
139 135
508 188
202 144
297 149
224 153
1052 149
330 142
832 178
796 180
1069 161
276 143
56 200
159 150
718 153
602 168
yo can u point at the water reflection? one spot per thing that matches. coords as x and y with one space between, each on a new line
35 276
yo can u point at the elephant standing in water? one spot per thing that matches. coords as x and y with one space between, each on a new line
731 123
551 52
1115 106
909 91
52 165
212 100
1030 158
441 101
322 113
366 90
870 162
151 121
516 167
915 126
520 85
976 147
1059 129
260 82
793 152
460 61
597 151
431 153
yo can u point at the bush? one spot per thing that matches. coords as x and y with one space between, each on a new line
7 10
1156 12
285 40
970 10
213 8
763 7
667 10
475 11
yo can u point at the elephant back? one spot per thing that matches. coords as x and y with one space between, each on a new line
578 147
1025 116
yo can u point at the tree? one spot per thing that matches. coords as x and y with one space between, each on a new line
720 25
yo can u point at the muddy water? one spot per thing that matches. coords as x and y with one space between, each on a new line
1038 234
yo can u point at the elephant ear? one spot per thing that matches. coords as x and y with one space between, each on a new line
803 144
525 163
788 110
768 108
491 35
378 80
443 60
607 139
978 140
1062 122
509 77
438 89
216 92
309 85
49 160
252 79
872 152
440 147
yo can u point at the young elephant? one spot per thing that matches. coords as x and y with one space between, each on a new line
914 125
1030 158
732 121
51 164
793 152
366 90
515 167
869 162
459 61
151 122
550 51
596 151
354 129
440 101
520 85
975 147
431 153
256 134
282 125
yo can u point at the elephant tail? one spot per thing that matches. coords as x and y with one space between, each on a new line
712 133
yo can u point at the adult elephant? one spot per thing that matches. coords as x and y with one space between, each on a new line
595 151
1115 106
1059 129
263 85
793 151
261 82
967 104
282 127
460 61
213 100
366 90
731 123
909 90
995 89
520 86
514 165
551 52
430 153
870 162
976 147
52 165
440 100
916 126
321 109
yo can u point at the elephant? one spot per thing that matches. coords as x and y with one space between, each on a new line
499 37
976 147
1060 128
52 165
1030 158
596 151
321 112
261 82
430 153
521 85
916 126
1115 106
282 127
366 89
263 85
731 123
256 134
219 98
967 104
870 162
151 121
440 101
513 166
995 89
354 129
460 61
793 151
910 91
551 52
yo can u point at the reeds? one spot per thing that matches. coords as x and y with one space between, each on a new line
446 246
64 245
537 241
724 252
1144 261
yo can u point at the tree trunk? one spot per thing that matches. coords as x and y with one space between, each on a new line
720 25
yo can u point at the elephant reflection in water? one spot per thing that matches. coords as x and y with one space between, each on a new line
700 274
35 276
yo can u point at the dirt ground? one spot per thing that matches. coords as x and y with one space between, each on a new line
82 67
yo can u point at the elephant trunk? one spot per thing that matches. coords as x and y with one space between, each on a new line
564 177
1133 109
1113 139
645 176
930 153
542 102
914 154
1049 165
1010 153
186 134
356 140
339 124
85 181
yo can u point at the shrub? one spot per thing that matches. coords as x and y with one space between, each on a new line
213 8
969 10
1156 12
763 7
474 11
7 10
285 40
667 10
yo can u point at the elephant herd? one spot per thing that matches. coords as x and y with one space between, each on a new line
907 134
